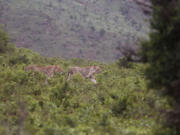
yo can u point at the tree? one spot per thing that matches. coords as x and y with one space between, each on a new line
162 51
164 45
4 39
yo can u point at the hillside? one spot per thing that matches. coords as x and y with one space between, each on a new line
120 104
89 29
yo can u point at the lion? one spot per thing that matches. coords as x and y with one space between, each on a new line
86 72
49 71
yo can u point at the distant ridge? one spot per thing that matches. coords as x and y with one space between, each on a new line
68 29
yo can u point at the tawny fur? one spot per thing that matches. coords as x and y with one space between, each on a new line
49 71
86 72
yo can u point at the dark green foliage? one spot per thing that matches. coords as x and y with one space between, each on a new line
120 107
123 62
18 60
144 51
3 40
162 52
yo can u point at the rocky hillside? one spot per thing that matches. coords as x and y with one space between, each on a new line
145 5
90 29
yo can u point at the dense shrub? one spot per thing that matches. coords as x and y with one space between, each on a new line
119 104
123 62
22 59
162 54
162 50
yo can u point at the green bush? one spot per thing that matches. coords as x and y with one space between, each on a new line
120 103
120 107
162 54
4 40
124 63
21 59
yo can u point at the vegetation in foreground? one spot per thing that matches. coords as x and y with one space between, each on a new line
162 52
120 104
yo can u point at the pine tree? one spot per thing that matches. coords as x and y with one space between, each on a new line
162 52
163 48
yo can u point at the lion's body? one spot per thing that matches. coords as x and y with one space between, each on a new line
86 72
49 71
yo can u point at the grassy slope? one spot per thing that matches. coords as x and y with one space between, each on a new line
120 104
69 29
